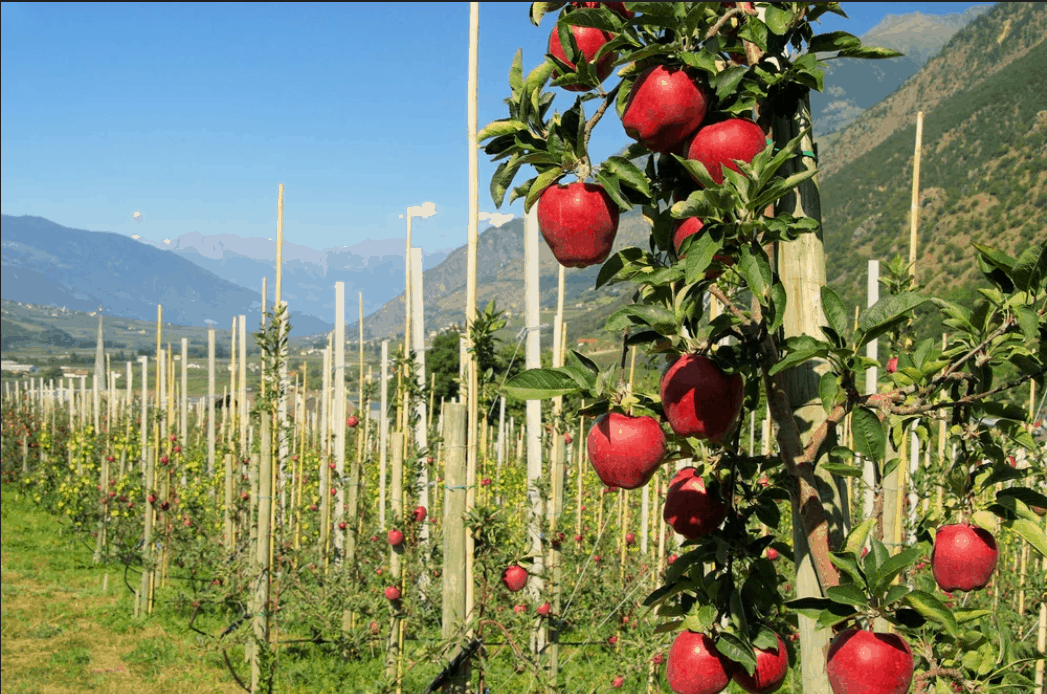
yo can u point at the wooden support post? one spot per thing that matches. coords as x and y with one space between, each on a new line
801 265
454 533
339 418
394 654
536 585
383 435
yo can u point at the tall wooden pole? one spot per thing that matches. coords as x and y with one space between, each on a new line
454 532
383 434
871 378
914 213
801 264
396 568
183 405
242 399
533 359
142 598
421 434
281 403
339 417
403 417
470 294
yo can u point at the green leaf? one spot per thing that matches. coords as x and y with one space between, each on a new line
540 9
798 357
777 20
1030 270
726 82
1029 322
623 265
835 614
540 384
964 616
1031 532
834 310
544 180
868 53
611 186
595 17
848 563
701 619
886 571
834 41
996 257
849 594
778 301
858 535
516 73
573 358
828 390
756 270
734 649
842 470
700 253
501 127
896 593
657 317
809 607
932 608
503 177
887 310
628 172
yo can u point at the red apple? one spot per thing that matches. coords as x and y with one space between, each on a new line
374 538
374 627
683 228
520 609
577 538
771 667
720 144
892 365
589 41
429 459
419 514
579 222
395 537
964 557
1012 461
341 526
688 507
665 105
485 482
625 451
618 682
351 421
515 578
869 662
612 640
772 554
672 559
658 659
630 539
699 399
567 438
544 609
695 666
392 593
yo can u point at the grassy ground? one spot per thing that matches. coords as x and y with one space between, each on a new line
65 628
68 626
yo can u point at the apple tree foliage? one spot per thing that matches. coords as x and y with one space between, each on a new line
723 584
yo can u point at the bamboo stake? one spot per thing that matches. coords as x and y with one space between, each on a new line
914 214
242 400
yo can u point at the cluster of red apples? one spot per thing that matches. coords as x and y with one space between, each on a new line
667 111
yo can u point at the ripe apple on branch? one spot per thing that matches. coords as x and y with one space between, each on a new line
748 154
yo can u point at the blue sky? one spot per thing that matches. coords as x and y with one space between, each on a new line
191 114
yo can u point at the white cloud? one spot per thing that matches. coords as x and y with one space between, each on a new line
425 210
496 218
167 241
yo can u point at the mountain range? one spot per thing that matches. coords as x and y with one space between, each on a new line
978 77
